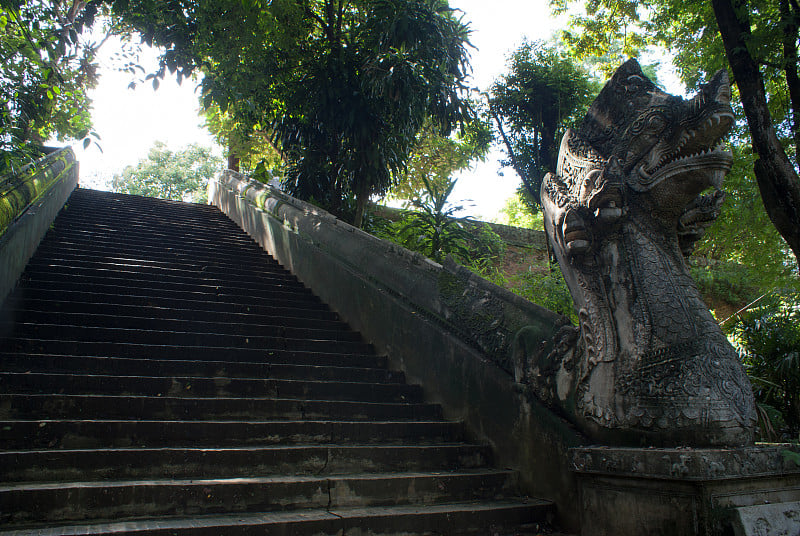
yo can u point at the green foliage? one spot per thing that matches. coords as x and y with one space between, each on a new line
743 234
486 267
342 88
46 67
547 289
768 337
543 93
727 281
432 229
605 32
517 213
181 175
437 157
791 456
251 147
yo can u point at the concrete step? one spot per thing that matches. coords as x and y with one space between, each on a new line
19 362
149 248
257 326
87 334
454 519
214 243
27 466
149 255
36 310
52 251
131 230
189 353
37 406
119 294
109 433
54 269
121 224
290 297
198 386
70 261
115 203
188 224
79 301
36 502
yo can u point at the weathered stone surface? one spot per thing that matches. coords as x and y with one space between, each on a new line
782 519
648 364
685 463
29 202
450 331
680 491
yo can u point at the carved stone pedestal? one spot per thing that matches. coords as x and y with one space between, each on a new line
685 491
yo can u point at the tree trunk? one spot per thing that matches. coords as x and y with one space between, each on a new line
233 161
526 181
777 179
361 205
788 22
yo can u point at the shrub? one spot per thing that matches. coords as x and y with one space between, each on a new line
768 339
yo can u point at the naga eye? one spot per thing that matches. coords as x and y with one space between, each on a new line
656 122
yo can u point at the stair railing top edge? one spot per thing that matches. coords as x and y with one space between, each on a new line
448 293
21 190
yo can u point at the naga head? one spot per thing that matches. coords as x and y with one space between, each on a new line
625 205
641 148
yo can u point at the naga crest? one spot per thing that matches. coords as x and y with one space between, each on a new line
648 364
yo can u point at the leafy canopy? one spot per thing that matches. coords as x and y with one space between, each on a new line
758 40
769 340
341 86
249 147
435 158
46 68
181 175
543 93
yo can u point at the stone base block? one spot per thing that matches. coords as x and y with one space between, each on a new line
781 519
681 491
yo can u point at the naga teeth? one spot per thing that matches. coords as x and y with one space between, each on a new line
674 158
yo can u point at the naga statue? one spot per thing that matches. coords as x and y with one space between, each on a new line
648 364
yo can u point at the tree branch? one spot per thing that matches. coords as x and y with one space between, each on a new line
514 163
313 14
789 38
777 179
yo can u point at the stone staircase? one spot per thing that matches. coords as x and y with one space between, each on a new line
161 375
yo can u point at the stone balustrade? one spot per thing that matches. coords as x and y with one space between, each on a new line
29 202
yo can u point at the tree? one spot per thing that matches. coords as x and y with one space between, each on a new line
542 94
776 174
743 233
342 86
247 148
757 39
769 339
46 68
181 175
435 158
516 212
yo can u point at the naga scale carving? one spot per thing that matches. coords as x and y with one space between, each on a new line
648 364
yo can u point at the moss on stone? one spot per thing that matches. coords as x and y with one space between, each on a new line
18 192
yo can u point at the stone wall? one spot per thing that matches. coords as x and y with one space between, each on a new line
29 202
449 330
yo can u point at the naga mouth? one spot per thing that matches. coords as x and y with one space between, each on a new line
700 148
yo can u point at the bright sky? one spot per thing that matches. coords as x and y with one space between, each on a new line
130 121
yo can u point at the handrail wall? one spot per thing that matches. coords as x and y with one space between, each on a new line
29 202
449 330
